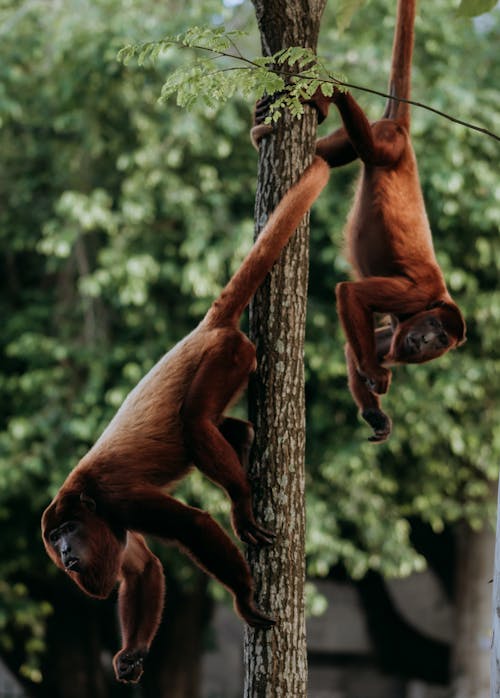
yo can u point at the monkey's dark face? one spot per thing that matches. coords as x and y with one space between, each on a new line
68 542
84 546
421 338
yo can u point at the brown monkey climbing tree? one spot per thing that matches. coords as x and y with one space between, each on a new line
276 661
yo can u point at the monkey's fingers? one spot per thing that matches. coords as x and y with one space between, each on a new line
254 617
261 111
378 437
248 530
129 666
262 622
255 534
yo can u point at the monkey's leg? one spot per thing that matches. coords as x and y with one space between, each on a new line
380 144
240 434
357 301
220 378
157 514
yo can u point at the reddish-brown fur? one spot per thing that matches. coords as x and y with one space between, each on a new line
390 247
389 241
171 420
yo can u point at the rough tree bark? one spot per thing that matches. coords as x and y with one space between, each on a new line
470 668
276 661
495 622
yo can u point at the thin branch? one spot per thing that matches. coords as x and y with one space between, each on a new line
352 86
414 103
235 47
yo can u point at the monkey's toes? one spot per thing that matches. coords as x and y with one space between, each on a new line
380 423
129 666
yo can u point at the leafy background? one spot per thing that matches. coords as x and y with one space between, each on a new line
121 220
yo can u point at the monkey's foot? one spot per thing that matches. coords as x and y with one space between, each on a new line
254 617
380 423
128 665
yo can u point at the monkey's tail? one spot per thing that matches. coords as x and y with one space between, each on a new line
280 226
402 53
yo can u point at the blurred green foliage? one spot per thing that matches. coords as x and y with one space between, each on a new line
122 219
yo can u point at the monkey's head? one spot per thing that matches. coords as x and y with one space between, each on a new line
427 335
81 543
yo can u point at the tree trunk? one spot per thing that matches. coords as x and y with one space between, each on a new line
276 661
495 624
74 667
174 663
475 551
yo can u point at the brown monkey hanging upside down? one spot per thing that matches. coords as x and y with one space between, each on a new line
389 241
174 418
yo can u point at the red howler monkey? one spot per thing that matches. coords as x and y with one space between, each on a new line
389 241
172 419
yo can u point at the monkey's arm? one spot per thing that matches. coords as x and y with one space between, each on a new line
140 603
357 302
368 402
153 513
380 148
335 148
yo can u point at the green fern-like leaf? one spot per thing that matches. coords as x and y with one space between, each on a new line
293 74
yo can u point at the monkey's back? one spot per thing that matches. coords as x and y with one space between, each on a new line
387 231
146 434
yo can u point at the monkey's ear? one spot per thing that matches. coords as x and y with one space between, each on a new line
88 502
454 320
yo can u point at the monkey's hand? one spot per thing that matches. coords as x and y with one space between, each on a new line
377 379
128 665
260 129
261 111
248 530
251 615
321 103
380 423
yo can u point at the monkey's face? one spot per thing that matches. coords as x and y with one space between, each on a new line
69 543
86 549
421 338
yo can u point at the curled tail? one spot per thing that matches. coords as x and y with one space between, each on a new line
402 53
282 222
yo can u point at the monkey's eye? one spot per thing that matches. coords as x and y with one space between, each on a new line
433 322
443 338
70 527
54 536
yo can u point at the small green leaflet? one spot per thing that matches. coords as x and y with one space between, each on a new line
346 9
473 8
